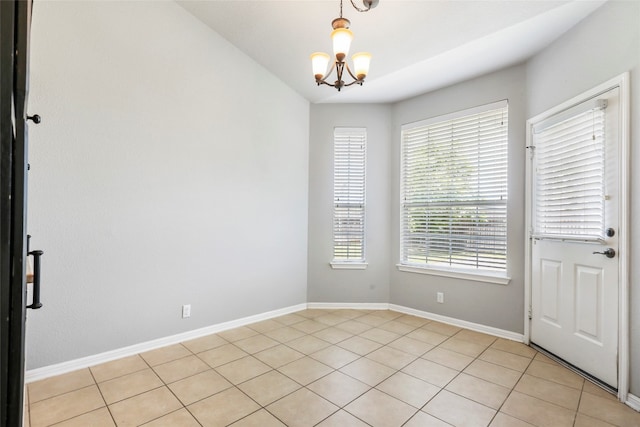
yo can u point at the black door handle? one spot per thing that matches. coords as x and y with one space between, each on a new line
609 253
36 304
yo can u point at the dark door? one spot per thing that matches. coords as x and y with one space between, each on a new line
15 19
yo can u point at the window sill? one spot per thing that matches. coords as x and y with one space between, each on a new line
486 277
348 265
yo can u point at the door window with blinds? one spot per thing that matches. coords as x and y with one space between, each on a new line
569 161
454 192
349 166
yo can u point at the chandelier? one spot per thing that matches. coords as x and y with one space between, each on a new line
342 37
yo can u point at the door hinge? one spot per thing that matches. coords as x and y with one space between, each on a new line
530 314
532 150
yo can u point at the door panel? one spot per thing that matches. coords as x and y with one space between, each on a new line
574 284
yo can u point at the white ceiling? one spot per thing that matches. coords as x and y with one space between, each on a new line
417 46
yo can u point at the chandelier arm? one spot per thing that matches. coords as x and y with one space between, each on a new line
351 73
367 3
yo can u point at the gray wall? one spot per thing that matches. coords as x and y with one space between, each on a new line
169 169
500 306
604 45
324 283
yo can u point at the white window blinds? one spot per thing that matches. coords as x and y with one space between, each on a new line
349 157
454 190
569 174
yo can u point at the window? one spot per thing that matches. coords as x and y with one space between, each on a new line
454 192
570 173
349 149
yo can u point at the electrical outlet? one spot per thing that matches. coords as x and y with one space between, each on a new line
186 311
440 297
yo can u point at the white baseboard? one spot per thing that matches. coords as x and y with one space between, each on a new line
84 362
501 333
633 402
349 305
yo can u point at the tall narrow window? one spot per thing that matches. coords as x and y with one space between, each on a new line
349 155
454 191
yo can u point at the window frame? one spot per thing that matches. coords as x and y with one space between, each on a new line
345 132
452 271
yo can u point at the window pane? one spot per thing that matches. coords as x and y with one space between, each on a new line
454 192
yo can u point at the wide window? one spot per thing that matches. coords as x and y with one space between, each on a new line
454 191
349 166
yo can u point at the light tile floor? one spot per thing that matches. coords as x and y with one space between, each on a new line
330 368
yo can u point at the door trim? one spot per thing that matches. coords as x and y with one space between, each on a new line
622 82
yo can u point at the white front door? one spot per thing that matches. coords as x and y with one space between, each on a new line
575 204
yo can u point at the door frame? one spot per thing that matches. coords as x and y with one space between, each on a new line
621 81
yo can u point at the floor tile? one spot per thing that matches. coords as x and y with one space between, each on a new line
411 346
391 357
265 326
386 314
333 335
359 345
372 320
514 347
237 334
422 419
476 337
442 328
335 356
243 369
197 387
60 384
412 320
479 390
205 343
269 387
117 368
555 373
181 418
144 407
181 368
586 421
290 319
408 389
65 406
493 373
256 343
380 336
309 326
222 355
506 359
380 410
279 355
129 385
426 336
354 327
459 411
536 411
448 358
165 354
608 410
305 370
285 334
504 420
368 371
461 346
315 410
342 419
260 418
312 313
397 327
542 358
591 388
338 388
308 344
98 418
331 319
430 372
552 392
223 408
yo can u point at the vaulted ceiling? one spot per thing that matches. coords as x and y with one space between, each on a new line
417 46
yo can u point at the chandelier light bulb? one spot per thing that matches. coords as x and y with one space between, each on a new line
341 42
319 64
361 63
